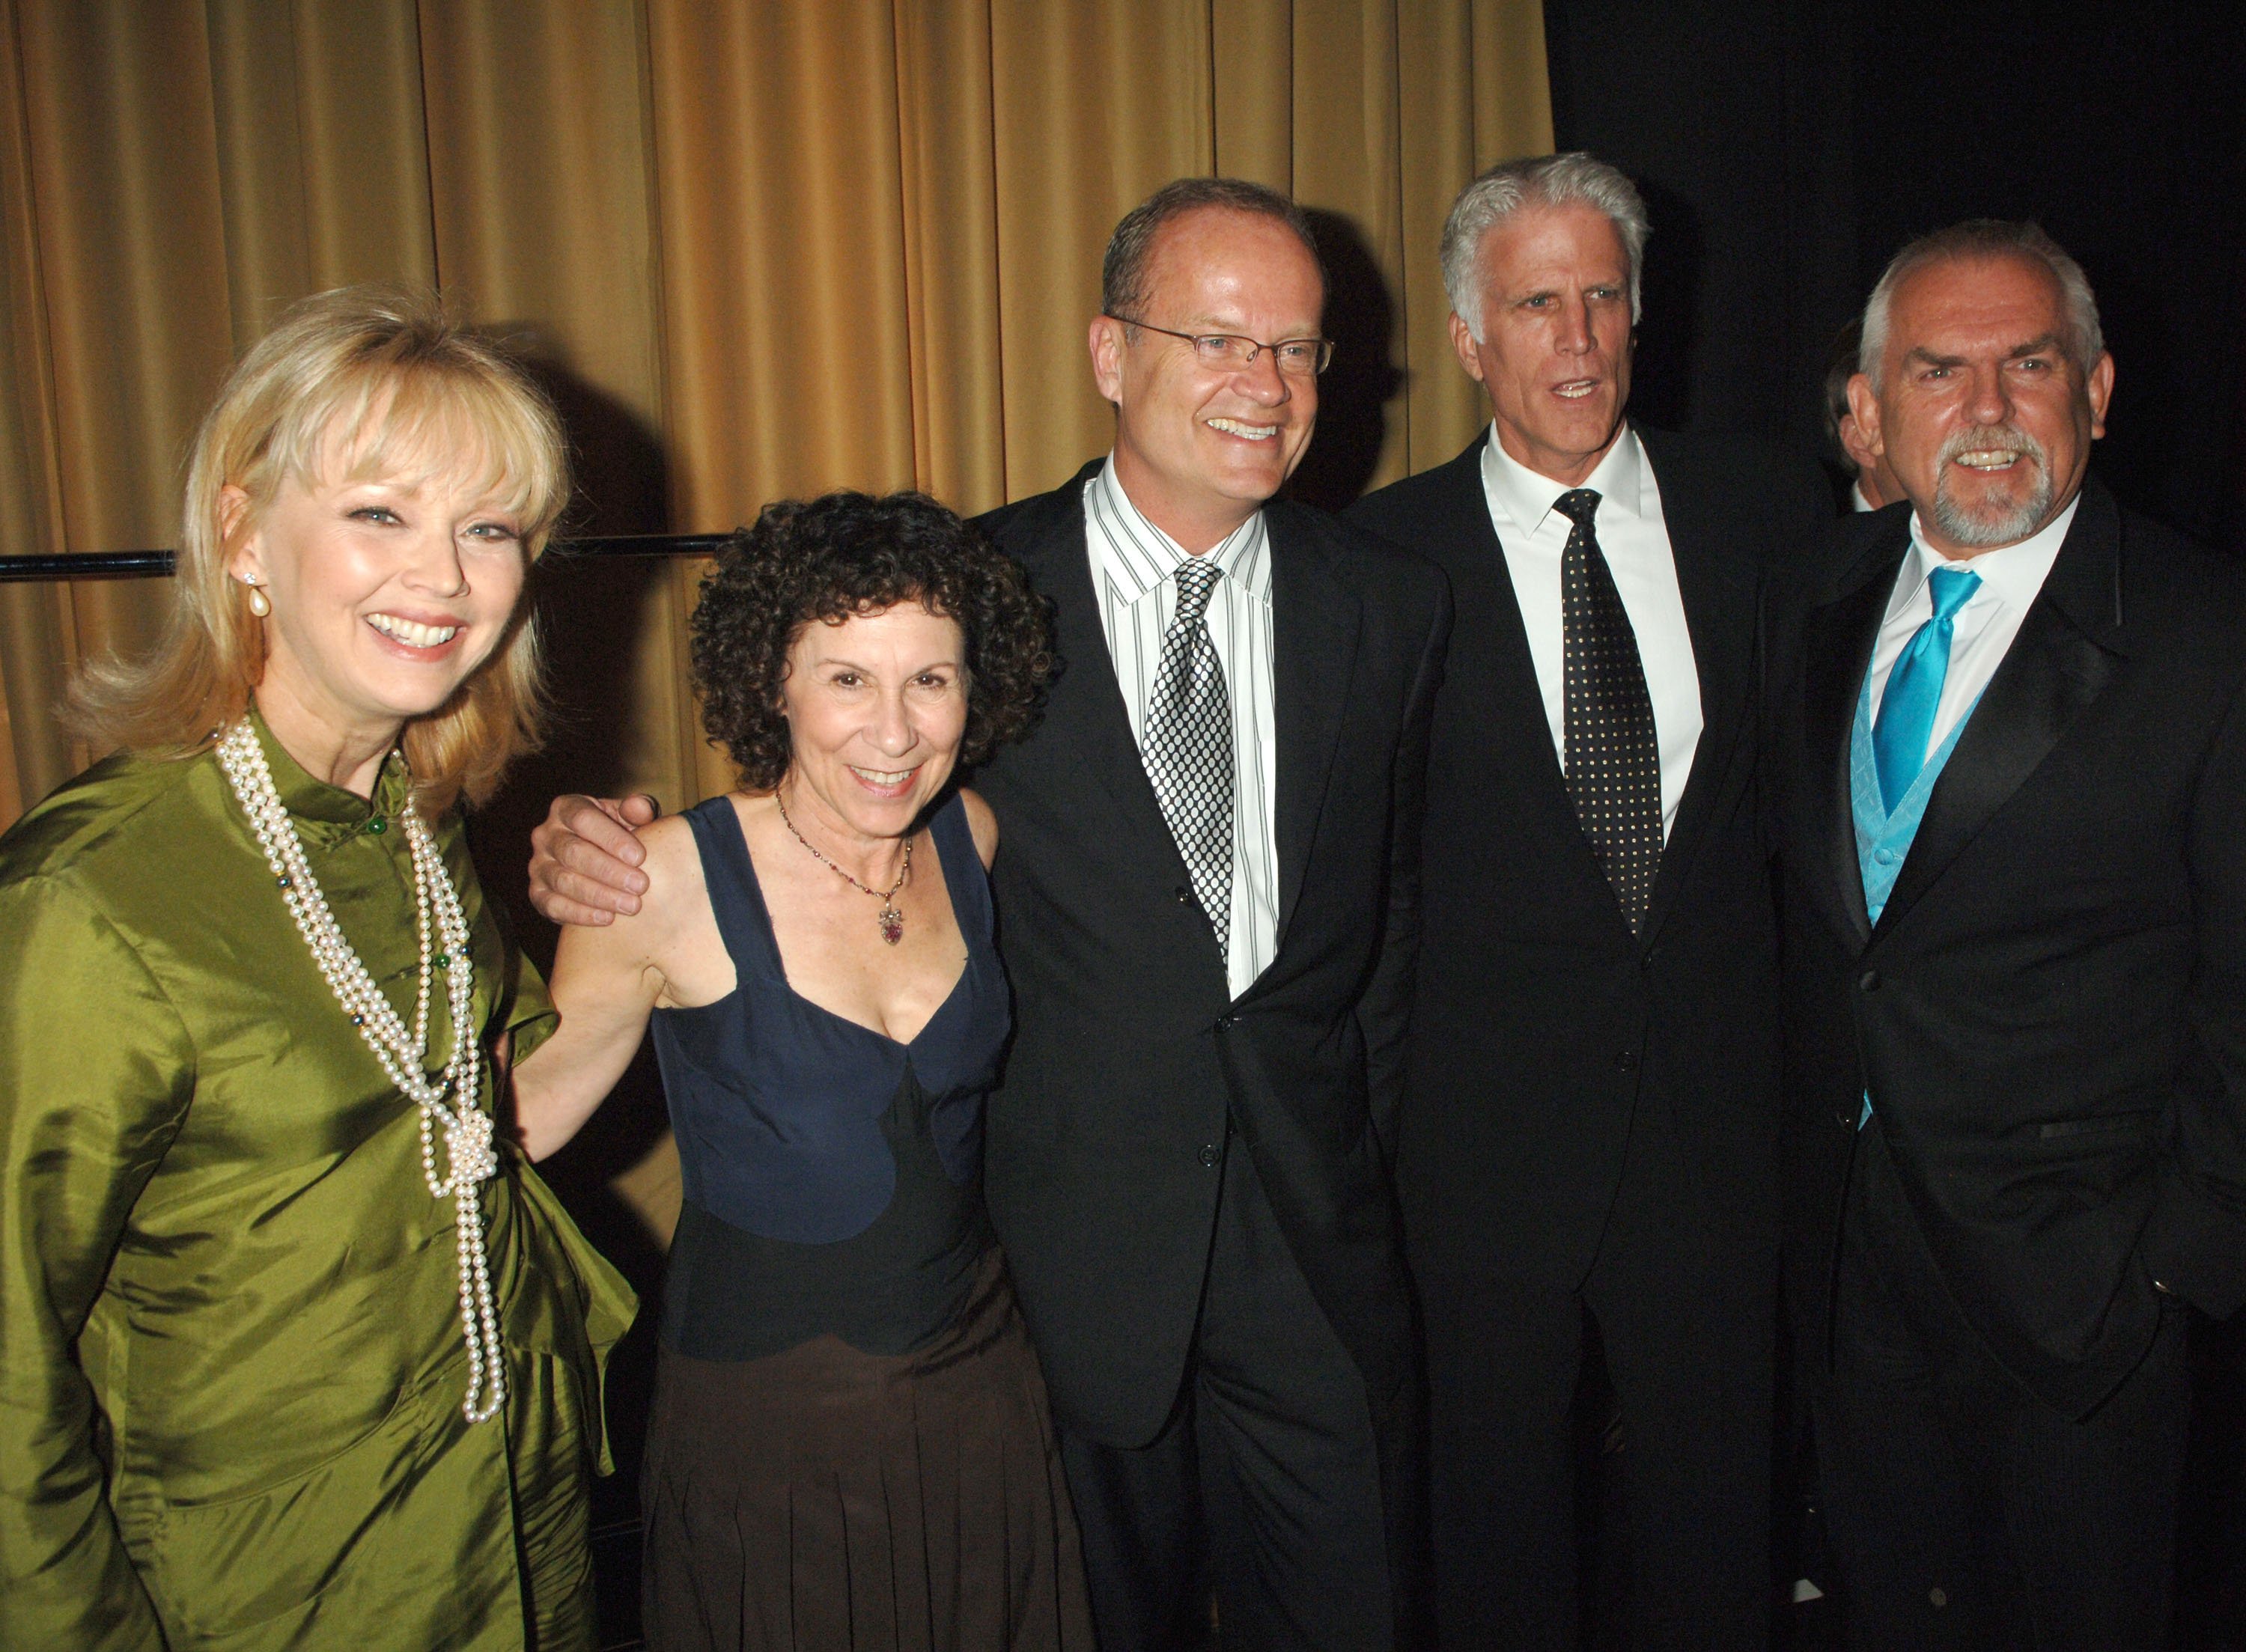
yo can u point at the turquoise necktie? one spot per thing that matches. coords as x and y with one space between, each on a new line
1906 720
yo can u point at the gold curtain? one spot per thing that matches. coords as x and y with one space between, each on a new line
757 248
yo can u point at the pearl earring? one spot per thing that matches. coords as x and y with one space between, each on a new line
260 604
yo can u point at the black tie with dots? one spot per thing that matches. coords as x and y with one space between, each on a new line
1189 745
1613 750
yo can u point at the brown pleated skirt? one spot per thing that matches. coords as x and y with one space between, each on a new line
825 1498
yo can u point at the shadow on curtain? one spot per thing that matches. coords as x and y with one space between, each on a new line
754 250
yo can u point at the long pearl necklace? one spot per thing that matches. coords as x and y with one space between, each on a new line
470 1158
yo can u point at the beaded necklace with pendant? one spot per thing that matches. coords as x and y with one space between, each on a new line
470 1157
892 922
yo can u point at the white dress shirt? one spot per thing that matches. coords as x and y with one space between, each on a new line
1981 631
1857 499
1635 541
1131 564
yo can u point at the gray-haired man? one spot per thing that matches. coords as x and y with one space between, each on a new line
2006 764
1589 1136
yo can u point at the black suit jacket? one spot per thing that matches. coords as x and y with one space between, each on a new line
2051 1014
1130 1055
1541 1022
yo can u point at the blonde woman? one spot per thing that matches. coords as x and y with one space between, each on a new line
294 1352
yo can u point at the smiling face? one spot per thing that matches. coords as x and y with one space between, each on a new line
876 706
1556 337
388 590
1982 413
1199 449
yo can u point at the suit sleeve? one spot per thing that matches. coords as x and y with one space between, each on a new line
95 1074
1385 1011
2195 1240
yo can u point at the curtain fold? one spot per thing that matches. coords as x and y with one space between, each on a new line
321 151
754 250
125 216
36 644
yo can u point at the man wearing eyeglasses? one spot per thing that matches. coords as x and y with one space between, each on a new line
1207 893
1207 898
1587 1155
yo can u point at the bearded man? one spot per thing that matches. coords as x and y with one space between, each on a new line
2008 770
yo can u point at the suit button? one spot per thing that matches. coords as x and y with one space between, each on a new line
1846 1120
1626 1061
1869 981
1184 895
1209 1156
1226 1024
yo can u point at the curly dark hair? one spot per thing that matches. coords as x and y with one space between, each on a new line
846 554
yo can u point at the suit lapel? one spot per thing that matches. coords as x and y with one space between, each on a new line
1502 681
1314 628
1837 645
2058 664
1715 580
1086 730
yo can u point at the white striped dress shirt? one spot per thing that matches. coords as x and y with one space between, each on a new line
1131 564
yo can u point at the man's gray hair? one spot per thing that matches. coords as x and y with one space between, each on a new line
1985 238
1574 178
1123 271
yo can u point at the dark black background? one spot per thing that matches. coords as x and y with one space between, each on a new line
1786 150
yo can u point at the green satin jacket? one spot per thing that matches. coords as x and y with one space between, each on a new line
231 1359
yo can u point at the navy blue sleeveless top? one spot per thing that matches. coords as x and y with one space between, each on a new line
832 1175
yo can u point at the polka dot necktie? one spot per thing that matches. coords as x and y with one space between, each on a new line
1613 758
1188 753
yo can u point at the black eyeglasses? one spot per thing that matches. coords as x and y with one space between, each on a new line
1230 353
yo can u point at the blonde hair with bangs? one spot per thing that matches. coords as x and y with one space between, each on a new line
385 381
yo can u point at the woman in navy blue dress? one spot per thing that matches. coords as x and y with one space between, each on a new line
849 1446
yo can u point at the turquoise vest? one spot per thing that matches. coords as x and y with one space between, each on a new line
1883 840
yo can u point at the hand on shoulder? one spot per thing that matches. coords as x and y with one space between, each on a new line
671 893
585 857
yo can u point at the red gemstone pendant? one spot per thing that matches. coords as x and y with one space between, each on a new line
893 925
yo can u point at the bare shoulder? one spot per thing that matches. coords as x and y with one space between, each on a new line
674 864
675 893
983 824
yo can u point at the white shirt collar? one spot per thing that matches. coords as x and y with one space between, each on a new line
1142 556
2012 574
1527 495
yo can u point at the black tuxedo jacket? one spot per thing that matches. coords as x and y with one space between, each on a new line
1541 1022
2051 1016
1131 1057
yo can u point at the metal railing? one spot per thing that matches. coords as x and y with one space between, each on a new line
134 565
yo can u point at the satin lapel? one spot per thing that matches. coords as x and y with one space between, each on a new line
2059 663
1837 644
1490 666
1517 703
1085 730
1716 581
1314 627
1491 670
